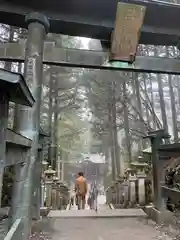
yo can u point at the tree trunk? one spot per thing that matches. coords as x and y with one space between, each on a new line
154 125
50 113
173 109
162 102
126 124
55 123
105 146
4 107
161 96
173 104
144 76
150 107
115 135
8 65
111 143
178 89
139 108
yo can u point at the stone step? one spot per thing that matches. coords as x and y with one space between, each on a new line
102 213
103 229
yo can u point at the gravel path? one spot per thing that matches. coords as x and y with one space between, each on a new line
104 229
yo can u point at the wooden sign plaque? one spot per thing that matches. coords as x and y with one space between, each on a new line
125 38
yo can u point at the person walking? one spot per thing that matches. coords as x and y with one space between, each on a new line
81 190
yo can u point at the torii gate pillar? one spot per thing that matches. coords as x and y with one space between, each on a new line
27 121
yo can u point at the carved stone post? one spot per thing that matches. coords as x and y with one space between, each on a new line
36 204
141 188
18 185
158 201
156 139
44 168
58 197
53 196
132 191
139 167
26 119
132 186
59 163
54 192
4 106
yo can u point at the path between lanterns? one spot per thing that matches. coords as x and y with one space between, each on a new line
126 224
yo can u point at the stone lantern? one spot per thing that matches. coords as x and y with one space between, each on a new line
132 186
63 195
141 176
130 173
55 178
44 168
49 175
140 159
55 193
58 194
139 168
44 165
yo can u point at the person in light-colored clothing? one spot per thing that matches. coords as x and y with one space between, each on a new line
81 190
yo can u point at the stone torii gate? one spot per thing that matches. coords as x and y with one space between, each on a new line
56 56
78 20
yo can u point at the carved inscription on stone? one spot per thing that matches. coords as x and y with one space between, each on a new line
30 72
29 75
129 19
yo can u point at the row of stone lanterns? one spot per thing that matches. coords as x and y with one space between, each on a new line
55 194
137 176
132 190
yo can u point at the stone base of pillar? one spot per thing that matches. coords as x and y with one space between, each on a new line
53 199
141 191
160 217
132 194
121 195
44 211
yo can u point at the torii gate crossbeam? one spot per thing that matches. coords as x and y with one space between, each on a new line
15 52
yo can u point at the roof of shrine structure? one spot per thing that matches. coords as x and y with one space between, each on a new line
95 18
14 85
